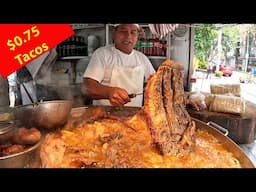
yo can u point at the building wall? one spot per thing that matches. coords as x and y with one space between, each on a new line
182 52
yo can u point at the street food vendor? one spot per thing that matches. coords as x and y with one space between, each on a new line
117 70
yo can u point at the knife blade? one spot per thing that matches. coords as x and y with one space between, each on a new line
132 95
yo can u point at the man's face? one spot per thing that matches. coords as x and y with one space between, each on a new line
125 37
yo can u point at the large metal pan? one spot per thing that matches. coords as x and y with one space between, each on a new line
129 111
224 140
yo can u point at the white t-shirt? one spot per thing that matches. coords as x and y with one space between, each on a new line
104 58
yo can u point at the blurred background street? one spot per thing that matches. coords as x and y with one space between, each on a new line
203 84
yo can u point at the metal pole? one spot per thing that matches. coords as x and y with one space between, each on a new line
219 47
28 94
168 55
107 34
247 52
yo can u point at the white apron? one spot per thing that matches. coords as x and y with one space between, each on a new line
130 79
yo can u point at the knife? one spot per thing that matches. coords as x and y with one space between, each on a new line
132 95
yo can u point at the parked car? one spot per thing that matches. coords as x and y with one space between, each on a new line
226 70
248 77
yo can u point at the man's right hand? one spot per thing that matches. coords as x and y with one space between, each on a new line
118 96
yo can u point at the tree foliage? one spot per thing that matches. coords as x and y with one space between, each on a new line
203 41
230 37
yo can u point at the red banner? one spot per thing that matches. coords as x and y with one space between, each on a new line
22 43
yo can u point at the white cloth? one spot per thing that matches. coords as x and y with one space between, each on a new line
137 25
12 79
105 59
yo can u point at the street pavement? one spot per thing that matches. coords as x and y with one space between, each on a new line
248 90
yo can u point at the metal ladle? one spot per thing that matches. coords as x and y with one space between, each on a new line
28 94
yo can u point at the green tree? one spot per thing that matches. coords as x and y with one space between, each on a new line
230 37
204 40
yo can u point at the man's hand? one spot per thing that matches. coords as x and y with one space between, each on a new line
118 96
95 90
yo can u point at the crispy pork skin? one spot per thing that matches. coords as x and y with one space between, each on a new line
164 106
52 151
155 112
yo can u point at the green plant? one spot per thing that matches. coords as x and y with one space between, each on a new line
204 40
202 65
218 73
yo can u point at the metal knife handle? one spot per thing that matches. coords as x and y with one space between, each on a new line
132 95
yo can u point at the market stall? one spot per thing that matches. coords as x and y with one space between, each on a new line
160 134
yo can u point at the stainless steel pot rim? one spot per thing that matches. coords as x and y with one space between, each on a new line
26 151
44 102
6 127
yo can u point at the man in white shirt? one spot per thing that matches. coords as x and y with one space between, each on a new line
115 71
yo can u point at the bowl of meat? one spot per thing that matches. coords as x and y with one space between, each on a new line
18 145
